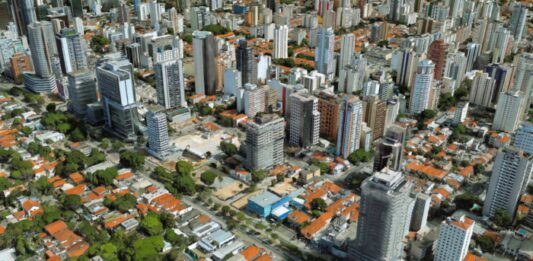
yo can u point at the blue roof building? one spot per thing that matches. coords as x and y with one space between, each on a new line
262 204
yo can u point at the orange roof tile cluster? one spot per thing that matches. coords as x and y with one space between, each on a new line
168 203
313 192
251 252
56 181
211 126
466 171
298 217
77 190
116 221
464 224
73 244
472 257
317 225
125 175
76 177
427 170
7 138
32 208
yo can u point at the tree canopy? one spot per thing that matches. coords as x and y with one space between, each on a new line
151 224
208 178
132 159
360 155
228 148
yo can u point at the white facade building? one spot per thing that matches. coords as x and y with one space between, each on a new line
454 239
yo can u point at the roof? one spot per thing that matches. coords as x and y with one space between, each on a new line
55 227
77 190
472 257
251 252
298 217
317 225
265 199
76 177
264 257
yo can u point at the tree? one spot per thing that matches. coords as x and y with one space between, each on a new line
185 184
216 29
91 234
148 248
258 175
319 204
360 155
466 201
51 107
116 145
103 177
122 203
72 201
228 148
151 224
108 251
99 42
42 185
167 219
176 240
51 214
105 143
132 159
486 243
184 168
502 218
208 178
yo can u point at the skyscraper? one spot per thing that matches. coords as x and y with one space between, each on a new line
81 90
517 22
264 142
71 50
437 54
324 55
483 90
501 74
246 62
347 50
509 111
384 214
389 152
118 99
422 88
23 14
523 73
375 113
472 53
304 123
454 239
204 49
157 134
524 137
281 37
349 129
170 85
329 108
395 10
253 99
43 48
510 176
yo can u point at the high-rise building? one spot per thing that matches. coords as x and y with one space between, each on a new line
324 55
389 152
375 113
20 62
329 108
524 137
461 112
347 50
455 68
499 44
281 38
232 81
349 128
523 73
304 120
158 144
509 111
518 20
395 10
472 53
246 62
510 176
420 97
81 90
454 239
200 17
384 215
264 142
71 50
23 14
43 48
170 85
437 54
501 74
420 212
482 90
133 52
165 48
253 99
115 84
204 49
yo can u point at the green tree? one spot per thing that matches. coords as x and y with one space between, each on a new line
466 201
151 224
185 184
216 29
98 43
258 175
184 168
208 178
228 148
105 143
148 248
72 201
319 204
108 251
116 145
485 243
103 177
502 218
360 155
132 159
51 107
122 203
